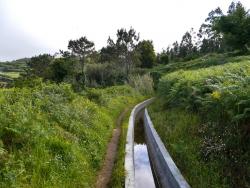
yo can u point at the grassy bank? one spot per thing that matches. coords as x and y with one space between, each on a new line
179 131
118 174
219 96
52 137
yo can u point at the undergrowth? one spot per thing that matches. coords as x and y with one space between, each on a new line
220 96
118 173
53 137
179 131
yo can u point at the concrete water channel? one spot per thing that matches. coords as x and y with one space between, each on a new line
143 172
147 162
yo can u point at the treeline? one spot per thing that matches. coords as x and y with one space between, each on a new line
81 65
220 33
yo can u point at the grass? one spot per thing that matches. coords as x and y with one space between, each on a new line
10 74
53 137
209 60
179 131
219 95
118 173
14 66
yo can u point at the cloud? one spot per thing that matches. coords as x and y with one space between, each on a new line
31 27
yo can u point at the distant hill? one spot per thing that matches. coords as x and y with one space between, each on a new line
17 65
14 66
11 69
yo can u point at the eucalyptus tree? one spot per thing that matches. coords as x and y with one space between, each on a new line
125 44
146 52
81 48
235 27
209 39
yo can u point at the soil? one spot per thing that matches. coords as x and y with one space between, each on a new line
105 173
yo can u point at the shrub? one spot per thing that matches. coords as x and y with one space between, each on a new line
220 95
53 137
143 84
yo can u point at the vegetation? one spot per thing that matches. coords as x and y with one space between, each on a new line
14 66
57 111
118 173
10 74
219 95
11 70
179 131
51 136
219 33
146 54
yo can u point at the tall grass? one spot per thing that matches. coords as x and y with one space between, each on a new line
144 84
179 131
53 137
220 95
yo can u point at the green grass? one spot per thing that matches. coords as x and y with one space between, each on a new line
209 60
220 95
118 173
53 137
10 74
14 66
179 131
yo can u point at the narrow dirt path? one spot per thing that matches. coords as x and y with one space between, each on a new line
106 171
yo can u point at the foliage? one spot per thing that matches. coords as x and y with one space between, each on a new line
14 66
208 60
210 41
125 47
220 95
143 84
187 48
40 66
146 54
105 74
163 57
178 130
118 172
53 137
10 74
81 48
219 33
235 27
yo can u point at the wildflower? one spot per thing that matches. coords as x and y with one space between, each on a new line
216 95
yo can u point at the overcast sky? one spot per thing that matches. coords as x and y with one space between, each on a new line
32 27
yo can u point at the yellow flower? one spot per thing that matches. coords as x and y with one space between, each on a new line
216 95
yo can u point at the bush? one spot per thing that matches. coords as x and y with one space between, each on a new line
143 84
53 137
220 95
106 74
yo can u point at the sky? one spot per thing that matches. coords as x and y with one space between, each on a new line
33 27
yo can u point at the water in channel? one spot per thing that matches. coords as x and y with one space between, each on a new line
143 172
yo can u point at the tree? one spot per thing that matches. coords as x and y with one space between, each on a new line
109 53
125 46
235 27
81 48
40 66
209 39
64 69
186 45
59 70
146 53
163 57
175 51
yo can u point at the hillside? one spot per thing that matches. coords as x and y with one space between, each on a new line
11 70
53 137
202 115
